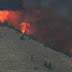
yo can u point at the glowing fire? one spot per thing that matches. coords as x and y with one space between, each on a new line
24 27
13 17
3 15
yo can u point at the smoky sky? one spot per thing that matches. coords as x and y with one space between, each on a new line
60 7
10 4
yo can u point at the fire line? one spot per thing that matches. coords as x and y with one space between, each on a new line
5 15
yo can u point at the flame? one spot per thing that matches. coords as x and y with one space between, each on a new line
28 29
3 15
25 27
14 18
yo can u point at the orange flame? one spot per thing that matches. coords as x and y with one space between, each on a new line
24 27
14 17
3 15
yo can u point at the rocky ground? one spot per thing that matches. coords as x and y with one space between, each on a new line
28 55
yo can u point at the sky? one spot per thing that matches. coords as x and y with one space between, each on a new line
61 7
10 4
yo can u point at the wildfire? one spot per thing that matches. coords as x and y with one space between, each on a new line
14 17
24 27
3 15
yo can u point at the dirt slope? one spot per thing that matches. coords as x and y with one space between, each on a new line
28 55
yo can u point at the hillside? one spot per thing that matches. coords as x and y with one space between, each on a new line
28 55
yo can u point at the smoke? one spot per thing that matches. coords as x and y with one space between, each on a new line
14 18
